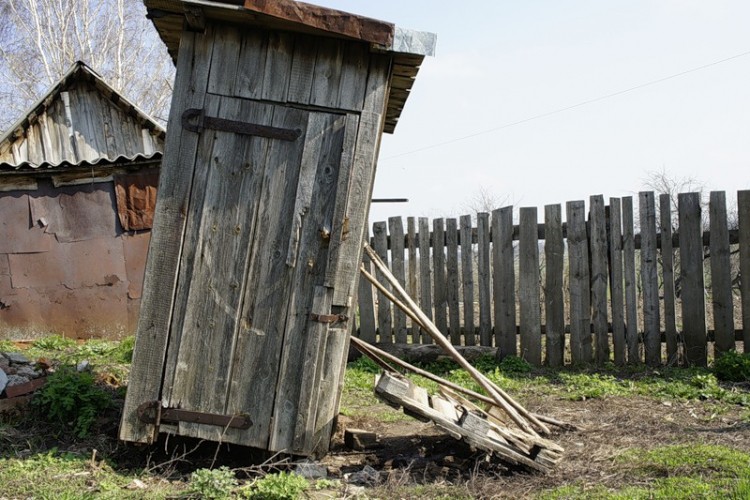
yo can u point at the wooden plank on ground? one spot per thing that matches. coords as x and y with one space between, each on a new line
631 295
451 263
599 275
425 274
439 280
691 277
616 282
367 325
743 211
649 279
554 306
667 265
396 230
385 322
578 268
485 279
504 282
721 275
528 287
413 282
467 279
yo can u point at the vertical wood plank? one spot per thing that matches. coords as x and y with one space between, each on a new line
504 282
599 277
554 306
425 274
278 66
367 325
303 69
439 279
667 262
251 64
649 279
485 280
385 323
467 278
721 274
396 230
691 277
528 287
631 299
743 209
454 316
616 282
226 53
411 245
578 282
327 73
352 85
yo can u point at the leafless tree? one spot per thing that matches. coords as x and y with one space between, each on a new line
41 39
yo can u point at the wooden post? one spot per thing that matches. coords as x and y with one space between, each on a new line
385 323
721 275
580 308
691 275
367 325
425 273
650 280
454 315
439 279
504 282
528 290
743 209
616 283
396 230
599 277
554 306
631 304
667 262
413 284
485 300
467 281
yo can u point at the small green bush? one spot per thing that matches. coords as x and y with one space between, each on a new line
212 483
281 486
72 399
515 365
54 343
733 367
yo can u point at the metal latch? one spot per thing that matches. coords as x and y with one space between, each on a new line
151 412
196 121
329 318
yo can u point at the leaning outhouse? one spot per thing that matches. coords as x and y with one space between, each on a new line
263 199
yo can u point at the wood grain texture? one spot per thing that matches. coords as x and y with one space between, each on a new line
599 277
631 295
649 279
327 74
667 263
616 284
504 282
743 212
226 55
413 282
425 274
439 281
396 230
484 257
528 287
580 305
554 304
721 274
251 64
278 66
467 279
367 325
691 277
385 317
303 69
451 263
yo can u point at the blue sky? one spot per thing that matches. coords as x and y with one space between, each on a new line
505 61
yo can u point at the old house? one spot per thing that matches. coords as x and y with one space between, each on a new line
78 177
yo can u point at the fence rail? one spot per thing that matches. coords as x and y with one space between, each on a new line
598 286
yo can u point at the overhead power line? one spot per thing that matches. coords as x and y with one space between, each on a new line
567 108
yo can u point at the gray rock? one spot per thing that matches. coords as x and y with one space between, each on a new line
83 366
3 380
16 380
16 358
311 470
28 372
366 476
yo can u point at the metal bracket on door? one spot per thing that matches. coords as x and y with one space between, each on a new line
329 318
151 412
196 121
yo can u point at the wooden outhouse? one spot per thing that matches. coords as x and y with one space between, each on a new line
263 200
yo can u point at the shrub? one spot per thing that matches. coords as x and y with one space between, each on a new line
212 483
281 486
71 398
733 367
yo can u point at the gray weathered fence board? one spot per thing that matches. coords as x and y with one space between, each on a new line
385 325
425 274
616 284
691 277
439 279
413 282
721 274
554 301
367 325
504 282
485 279
599 277
631 304
528 287
467 278
396 230
454 315
578 268
743 211
649 279
667 262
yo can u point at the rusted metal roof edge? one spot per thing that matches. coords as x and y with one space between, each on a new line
29 168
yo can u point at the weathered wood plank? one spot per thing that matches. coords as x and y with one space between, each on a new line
251 64
721 275
485 279
396 230
278 66
367 325
504 282
454 315
413 284
327 73
649 280
554 305
425 274
691 277
353 76
578 268
225 59
332 379
385 322
743 212
616 285
631 304
528 287
166 238
599 275
667 263
467 278
303 69
439 279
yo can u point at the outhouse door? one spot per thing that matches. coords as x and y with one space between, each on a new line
253 330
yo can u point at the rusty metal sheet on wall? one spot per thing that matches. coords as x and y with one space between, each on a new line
77 264
17 234
135 248
75 213
136 199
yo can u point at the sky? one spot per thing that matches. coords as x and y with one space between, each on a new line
503 62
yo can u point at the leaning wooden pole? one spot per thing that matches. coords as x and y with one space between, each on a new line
499 398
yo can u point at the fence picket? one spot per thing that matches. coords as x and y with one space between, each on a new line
483 262
385 323
599 277
691 277
667 265
425 274
504 282
451 263
367 326
396 230
467 278
649 279
743 211
528 287
616 281
721 274
554 305
631 304
438 281
413 281
578 268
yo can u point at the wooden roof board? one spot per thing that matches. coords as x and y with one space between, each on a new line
407 47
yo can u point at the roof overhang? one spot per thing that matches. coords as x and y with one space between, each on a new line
408 47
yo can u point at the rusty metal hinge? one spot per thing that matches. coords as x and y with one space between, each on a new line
196 120
329 318
151 412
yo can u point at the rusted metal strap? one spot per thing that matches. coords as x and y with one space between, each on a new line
329 318
196 121
151 412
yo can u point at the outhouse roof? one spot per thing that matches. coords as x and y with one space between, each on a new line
408 47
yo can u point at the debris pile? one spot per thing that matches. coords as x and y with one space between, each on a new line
19 376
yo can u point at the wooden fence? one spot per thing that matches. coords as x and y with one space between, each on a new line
596 287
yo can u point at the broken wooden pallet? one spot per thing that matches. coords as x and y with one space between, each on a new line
463 420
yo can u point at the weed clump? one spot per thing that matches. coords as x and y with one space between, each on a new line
281 486
212 483
733 367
